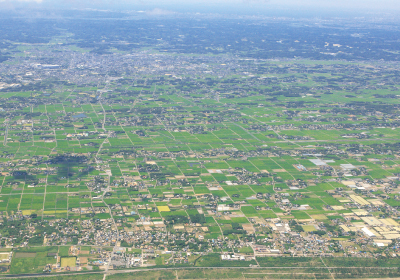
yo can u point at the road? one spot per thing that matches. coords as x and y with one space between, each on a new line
6 134
20 276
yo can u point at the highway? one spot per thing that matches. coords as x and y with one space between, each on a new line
20 276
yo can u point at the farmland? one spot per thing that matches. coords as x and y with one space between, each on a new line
144 157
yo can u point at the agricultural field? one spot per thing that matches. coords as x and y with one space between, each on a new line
137 155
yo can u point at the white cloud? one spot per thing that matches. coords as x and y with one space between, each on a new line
159 12
167 7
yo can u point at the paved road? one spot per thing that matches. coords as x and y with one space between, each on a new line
6 134
173 268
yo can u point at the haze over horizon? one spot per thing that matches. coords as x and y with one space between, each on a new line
293 8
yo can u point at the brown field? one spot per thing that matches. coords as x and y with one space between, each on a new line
24 255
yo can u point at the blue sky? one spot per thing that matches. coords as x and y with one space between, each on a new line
219 6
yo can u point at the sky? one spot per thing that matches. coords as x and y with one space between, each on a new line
257 7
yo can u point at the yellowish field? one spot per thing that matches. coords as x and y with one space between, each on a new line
309 228
69 261
26 212
163 209
319 217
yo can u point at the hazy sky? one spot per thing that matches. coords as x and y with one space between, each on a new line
218 6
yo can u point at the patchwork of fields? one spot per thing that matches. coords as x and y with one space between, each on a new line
148 159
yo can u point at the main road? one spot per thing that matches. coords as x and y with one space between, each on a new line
20 276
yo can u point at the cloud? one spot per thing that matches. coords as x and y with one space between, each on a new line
171 7
12 5
159 12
